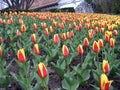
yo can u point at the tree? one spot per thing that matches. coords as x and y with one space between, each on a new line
18 4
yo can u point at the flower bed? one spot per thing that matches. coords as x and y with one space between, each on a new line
55 51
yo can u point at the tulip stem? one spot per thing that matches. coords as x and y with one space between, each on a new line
67 65
97 57
45 84
25 73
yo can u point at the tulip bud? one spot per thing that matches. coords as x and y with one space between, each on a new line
33 38
65 51
23 28
104 82
64 36
80 49
68 35
100 42
115 32
107 38
86 43
21 55
56 39
34 27
51 29
46 31
1 39
96 47
0 51
42 71
105 66
36 49
18 33
112 42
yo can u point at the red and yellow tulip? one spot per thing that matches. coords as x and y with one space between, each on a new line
18 33
33 38
21 55
86 42
64 36
105 66
42 70
96 47
112 42
104 82
100 42
56 39
65 51
23 28
36 49
80 49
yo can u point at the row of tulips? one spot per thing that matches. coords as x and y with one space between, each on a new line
45 37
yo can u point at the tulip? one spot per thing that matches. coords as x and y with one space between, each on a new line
56 39
96 29
96 47
68 35
80 49
107 38
102 30
104 82
109 33
51 29
42 71
34 27
64 36
112 42
33 38
23 28
115 32
77 28
36 49
21 55
65 51
105 66
100 42
1 39
46 31
0 51
86 43
18 33
71 33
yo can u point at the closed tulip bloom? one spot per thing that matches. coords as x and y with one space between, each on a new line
96 47
107 38
42 71
80 49
86 42
115 32
100 42
65 51
56 39
23 28
0 51
71 33
105 66
1 39
36 49
104 82
64 36
46 31
21 55
34 27
109 33
112 42
68 35
33 38
51 29
102 30
18 33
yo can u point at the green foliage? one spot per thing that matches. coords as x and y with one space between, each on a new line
115 6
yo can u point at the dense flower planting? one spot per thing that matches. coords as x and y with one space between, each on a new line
79 48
